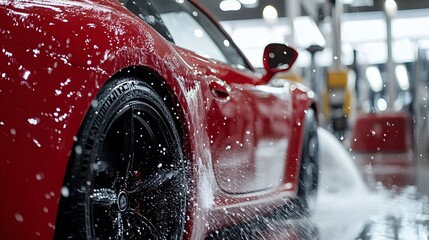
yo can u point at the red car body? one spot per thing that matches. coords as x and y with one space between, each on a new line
242 135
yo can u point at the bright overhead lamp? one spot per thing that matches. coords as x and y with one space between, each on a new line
270 14
249 3
374 78
391 7
230 5
359 3
382 104
402 77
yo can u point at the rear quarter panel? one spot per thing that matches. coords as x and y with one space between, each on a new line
55 56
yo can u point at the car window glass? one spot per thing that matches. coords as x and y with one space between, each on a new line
225 44
189 34
183 24
193 30
145 11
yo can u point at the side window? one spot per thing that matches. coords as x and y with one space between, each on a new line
189 34
181 23
228 48
145 11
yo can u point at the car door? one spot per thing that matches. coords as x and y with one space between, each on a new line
249 136
247 123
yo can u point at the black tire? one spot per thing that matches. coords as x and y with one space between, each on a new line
309 170
127 176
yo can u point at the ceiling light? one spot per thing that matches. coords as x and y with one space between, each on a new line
359 3
249 3
402 76
270 14
382 104
230 5
390 7
374 78
362 3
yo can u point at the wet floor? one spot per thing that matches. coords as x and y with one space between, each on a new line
368 197
349 206
380 214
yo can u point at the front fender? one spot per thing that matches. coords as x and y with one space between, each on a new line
303 98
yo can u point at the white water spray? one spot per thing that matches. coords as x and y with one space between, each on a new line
339 173
347 210
342 196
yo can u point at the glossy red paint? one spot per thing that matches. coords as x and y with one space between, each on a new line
56 55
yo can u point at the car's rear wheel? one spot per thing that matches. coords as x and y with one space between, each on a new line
127 176
309 170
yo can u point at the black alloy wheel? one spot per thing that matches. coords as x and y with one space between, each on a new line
309 170
127 175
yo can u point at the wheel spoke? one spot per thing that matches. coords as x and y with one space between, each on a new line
103 197
154 180
128 139
118 227
148 129
136 226
130 181
107 220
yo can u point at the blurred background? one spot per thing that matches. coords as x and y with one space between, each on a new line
368 63
367 60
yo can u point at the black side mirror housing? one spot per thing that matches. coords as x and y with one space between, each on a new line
278 58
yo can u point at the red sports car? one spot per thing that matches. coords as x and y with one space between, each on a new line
141 119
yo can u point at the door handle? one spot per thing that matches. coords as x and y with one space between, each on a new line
220 89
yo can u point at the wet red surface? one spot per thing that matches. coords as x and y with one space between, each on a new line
383 149
391 170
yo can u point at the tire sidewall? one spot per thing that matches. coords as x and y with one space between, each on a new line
105 108
308 178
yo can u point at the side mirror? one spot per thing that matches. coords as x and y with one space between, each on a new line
278 58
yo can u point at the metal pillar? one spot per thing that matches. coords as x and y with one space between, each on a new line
337 10
337 97
293 10
313 49
390 65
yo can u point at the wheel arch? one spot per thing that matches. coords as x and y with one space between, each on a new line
313 106
178 105
302 100
167 93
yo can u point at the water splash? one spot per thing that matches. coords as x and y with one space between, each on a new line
346 209
338 172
